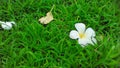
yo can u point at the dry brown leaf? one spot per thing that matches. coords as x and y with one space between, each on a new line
47 19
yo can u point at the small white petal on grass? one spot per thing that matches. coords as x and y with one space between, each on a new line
74 34
7 25
89 33
80 27
47 19
83 42
94 40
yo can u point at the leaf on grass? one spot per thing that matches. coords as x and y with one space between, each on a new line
47 19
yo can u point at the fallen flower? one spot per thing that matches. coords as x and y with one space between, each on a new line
47 19
84 36
7 25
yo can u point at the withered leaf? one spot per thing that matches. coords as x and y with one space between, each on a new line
46 19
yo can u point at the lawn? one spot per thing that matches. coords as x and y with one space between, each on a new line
31 44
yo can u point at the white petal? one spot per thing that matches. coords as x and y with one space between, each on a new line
83 42
74 34
80 27
6 26
9 24
94 40
90 42
90 33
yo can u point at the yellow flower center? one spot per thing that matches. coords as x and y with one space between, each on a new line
82 35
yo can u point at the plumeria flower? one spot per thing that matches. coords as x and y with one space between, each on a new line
7 25
84 36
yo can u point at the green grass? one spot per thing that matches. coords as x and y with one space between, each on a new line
33 45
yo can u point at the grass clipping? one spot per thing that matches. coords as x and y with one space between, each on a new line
48 18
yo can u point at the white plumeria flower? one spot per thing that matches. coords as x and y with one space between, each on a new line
7 25
84 36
